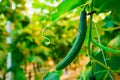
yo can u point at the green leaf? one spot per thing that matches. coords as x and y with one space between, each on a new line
100 75
33 58
115 43
19 74
114 62
30 58
109 24
66 6
108 5
55 75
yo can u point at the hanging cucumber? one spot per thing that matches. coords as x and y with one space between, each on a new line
77 44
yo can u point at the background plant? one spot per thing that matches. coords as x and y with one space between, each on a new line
62 21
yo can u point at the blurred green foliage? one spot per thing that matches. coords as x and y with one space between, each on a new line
30 17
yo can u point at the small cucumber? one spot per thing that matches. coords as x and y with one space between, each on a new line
77 44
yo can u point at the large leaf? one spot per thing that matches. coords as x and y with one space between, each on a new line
100 5
52 75
108 5
101 75
114 62
67 5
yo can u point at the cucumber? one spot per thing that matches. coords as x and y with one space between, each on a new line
77 44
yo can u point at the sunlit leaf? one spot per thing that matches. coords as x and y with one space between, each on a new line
65 6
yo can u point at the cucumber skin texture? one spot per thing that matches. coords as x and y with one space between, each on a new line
77 44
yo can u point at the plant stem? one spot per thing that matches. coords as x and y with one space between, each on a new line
104 47
90 36
103 65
